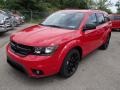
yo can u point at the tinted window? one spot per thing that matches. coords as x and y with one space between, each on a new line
107 18
111 17
64 20
116 17
92 19
100 18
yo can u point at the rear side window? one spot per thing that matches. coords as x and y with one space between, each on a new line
116 17
92 19
111 17
100 18
107 18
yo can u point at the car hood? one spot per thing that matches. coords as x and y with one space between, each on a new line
42 36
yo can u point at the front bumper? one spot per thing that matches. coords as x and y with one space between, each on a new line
48 65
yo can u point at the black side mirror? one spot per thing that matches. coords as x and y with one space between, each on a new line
107 19
89 27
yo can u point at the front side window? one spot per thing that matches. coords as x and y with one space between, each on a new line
64 20
101 18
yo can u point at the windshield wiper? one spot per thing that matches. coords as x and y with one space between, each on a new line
51 25
54 26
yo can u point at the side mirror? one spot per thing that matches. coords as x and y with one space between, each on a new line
107 19
89 27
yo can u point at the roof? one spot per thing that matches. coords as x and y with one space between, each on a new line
82 10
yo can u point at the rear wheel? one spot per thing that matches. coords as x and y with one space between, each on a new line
106 44
118 30
70 63
1 33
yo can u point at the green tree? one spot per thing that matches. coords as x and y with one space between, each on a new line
52 5
118 7
2 4
103 5
35 5
63 4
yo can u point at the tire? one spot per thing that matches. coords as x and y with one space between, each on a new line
106 44
1 33
70 63
117 30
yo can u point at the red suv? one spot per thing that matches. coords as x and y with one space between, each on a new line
115 18
59 42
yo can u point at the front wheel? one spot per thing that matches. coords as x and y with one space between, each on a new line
70 63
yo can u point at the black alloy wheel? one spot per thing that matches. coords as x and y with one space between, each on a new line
106 44
70 63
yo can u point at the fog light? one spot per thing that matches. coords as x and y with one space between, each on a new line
37 72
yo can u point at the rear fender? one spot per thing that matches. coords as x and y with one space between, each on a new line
106 35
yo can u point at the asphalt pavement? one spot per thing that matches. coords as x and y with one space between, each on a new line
100 70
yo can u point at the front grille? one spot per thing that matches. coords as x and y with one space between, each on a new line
21 49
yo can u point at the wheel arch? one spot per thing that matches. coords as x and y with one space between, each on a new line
65 51
79 49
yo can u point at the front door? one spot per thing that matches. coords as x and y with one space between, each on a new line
91 36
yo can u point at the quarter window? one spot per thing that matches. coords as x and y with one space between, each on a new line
100 18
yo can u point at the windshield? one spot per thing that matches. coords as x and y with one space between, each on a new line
64 20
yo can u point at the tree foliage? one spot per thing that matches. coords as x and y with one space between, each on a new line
118 7
48 5
103 5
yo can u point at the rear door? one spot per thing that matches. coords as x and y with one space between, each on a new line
102 27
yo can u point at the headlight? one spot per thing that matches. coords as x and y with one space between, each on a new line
44 50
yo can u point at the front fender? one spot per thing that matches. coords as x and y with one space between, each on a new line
65 50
